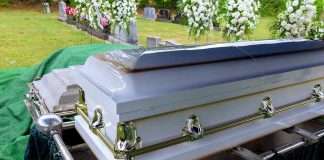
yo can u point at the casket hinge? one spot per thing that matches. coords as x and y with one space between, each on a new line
317 93
81 104
267 108
126 140
97 121
193 128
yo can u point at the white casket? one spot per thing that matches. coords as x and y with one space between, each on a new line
55 92
190 102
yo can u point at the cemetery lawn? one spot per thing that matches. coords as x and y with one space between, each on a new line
178 32
27 37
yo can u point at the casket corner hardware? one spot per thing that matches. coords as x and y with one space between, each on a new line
126 140
193 128
81 104
97 121
317 93
267 108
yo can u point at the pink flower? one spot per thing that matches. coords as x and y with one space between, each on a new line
66 10
104 22
72 11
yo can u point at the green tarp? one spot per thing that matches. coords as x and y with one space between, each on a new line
14 117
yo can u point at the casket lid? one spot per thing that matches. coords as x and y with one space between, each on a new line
144 59
157 90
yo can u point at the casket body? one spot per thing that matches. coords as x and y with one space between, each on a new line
55 92
158 90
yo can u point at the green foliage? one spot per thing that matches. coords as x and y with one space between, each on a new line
4 3
272 7
144 3
71 3
159 3
166 3
222 7
320 7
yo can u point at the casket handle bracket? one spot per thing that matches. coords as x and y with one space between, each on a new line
317 93
97 121
126 140
193 128
267 108
81 104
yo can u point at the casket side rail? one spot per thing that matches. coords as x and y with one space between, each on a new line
37 107
266 111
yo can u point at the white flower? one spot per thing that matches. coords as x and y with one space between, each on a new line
290 9
295 3
242 18
283 23
230 8
200 15
297 20
233 21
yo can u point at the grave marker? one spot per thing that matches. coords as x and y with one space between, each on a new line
62 15
149 13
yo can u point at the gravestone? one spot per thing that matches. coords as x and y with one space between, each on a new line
216 27
122 35
164 15
46 8
62 14
152 42
149 13
171 42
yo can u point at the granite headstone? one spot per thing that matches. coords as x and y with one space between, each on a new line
149 13
130 38
152 42
62 14
164 15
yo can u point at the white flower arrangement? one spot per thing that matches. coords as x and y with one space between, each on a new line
296 21
93 11
317 31
122 13
200 15
241 18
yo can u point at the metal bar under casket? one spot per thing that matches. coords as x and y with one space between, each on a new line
289 147
63 150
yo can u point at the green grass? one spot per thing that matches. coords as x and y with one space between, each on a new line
178 32
27 37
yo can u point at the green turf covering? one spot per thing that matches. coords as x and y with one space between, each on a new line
15 120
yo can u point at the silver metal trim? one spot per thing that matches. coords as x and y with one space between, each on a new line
246 154
317 92
68 125
63 151
308 137
288 147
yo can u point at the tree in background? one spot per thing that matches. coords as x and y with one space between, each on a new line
143 3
